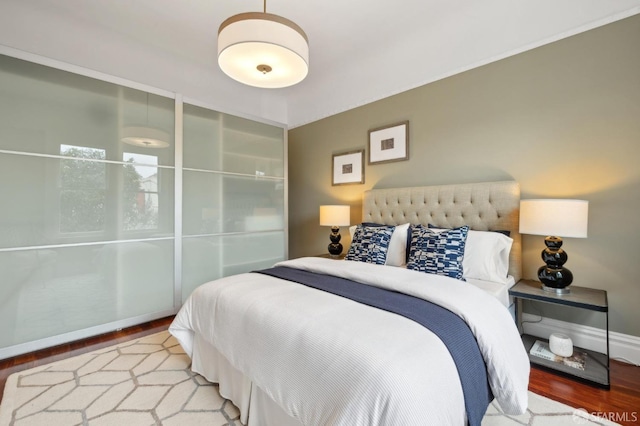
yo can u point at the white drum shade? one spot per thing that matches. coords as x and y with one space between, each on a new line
336 215
554 217
263 50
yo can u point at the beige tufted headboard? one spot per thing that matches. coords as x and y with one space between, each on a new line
489 206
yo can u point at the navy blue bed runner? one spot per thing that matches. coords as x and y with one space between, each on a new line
449 327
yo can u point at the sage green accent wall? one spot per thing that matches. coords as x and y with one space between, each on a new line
563 120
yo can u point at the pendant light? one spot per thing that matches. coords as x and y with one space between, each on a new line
263 50
145 136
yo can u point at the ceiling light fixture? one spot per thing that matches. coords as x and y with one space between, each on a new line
263 50
145 136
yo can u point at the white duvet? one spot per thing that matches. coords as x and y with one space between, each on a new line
326 360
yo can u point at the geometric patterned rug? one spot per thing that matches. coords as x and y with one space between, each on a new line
142 382
148 382
545 412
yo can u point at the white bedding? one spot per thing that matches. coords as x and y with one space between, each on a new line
324 359
498 290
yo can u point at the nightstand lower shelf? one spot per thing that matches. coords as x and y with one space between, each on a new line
596 370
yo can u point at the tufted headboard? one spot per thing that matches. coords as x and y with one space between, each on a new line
488 206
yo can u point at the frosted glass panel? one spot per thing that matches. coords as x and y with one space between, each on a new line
252 148
42 108
58 201
51 291
222 142
201 203
202 138
208 258
237 187
252 204
84 163
201 262
87 184
214 203
246 253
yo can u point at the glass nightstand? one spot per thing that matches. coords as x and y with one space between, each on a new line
596 368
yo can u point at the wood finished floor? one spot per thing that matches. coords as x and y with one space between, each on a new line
623 397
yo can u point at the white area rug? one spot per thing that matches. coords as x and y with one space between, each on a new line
148 382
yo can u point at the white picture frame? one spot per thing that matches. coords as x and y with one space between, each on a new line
348 168
389 143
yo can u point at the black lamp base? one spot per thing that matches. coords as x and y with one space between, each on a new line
554 276
558 291
335 248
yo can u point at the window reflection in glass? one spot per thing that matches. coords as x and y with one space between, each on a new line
141 200
82 190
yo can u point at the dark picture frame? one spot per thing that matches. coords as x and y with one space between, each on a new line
389 143
347 168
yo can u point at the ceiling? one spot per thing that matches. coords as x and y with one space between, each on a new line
360 51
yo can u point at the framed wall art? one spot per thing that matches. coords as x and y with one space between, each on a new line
389 143
348 168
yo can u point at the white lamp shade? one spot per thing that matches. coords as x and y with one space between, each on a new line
248 41
335 215
554 217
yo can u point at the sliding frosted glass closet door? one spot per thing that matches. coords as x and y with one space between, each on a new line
87 209
90 172
233 196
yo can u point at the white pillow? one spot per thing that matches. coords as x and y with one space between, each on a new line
397 252
352 230
486 256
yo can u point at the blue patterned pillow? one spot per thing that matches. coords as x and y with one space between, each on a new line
370 244
438 252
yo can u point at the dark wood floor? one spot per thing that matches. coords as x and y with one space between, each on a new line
623 399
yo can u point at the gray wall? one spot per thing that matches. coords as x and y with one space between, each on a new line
563 120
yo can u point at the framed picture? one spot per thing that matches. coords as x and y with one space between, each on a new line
348 168
389 143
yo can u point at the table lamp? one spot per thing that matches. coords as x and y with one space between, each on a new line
554 218
335 217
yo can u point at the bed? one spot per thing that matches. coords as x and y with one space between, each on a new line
294 353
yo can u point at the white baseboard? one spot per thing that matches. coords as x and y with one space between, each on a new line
623 347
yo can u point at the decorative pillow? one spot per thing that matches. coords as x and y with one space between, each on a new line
438 252
486 255
370 244
398 251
